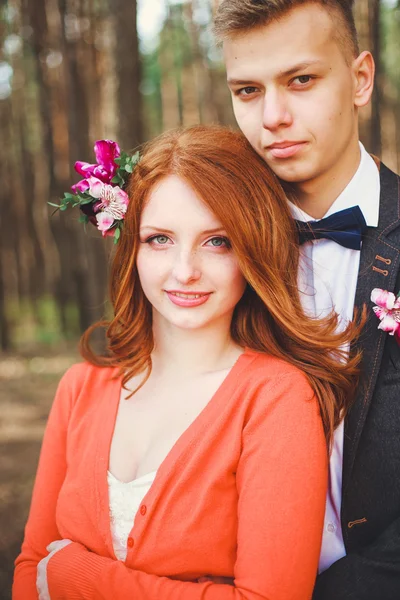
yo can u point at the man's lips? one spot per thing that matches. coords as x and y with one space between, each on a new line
285 149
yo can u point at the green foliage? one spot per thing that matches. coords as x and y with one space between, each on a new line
39 323
390 31
117 234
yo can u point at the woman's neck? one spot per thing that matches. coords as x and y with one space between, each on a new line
189 352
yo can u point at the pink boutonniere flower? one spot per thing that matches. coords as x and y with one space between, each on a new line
387 310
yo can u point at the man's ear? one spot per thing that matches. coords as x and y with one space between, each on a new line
364 72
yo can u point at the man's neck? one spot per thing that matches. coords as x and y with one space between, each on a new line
316 196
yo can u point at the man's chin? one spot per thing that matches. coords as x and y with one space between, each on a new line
290 173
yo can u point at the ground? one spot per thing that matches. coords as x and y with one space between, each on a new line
27 386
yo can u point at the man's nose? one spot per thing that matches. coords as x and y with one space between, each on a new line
275 111
186 267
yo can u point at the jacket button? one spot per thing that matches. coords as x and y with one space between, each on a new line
143 510
131 542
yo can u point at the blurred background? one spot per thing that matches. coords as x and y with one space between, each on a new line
72 72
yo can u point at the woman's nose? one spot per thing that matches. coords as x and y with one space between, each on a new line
186 267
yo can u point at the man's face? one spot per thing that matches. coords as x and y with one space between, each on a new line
294 94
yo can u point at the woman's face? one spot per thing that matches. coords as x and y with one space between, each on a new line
186 266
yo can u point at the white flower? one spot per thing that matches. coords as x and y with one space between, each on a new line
112 205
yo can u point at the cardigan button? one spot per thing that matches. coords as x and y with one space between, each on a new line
143 510
131 542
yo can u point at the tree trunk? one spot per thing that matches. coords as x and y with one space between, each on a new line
84 259
127 60
375 45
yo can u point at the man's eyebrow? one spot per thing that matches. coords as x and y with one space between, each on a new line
232 81
299 67
285 73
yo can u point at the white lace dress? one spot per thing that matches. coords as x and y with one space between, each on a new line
125 500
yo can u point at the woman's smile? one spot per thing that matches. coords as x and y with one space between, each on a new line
188 300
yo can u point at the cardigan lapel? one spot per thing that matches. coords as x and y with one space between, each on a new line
379 267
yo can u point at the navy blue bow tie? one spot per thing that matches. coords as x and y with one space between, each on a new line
344 227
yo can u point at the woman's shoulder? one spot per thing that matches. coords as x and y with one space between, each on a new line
265 367
279 392
84 375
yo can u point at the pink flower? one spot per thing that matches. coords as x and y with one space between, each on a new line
106 152
81 186
380 312
104 222
96 187
384 299
389 324
387 311
112 203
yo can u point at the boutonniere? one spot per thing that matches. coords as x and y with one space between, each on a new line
387 310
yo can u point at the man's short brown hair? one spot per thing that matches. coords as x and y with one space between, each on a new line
241 16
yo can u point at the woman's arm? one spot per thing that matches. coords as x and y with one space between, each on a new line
41 528
281 481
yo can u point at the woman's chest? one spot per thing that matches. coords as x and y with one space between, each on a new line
147 426
192 502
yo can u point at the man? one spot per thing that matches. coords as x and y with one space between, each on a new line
297 82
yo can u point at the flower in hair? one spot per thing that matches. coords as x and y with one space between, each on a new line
100 195
387 310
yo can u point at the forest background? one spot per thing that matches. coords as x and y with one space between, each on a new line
72 72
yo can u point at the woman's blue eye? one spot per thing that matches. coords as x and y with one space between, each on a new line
161 239
219 242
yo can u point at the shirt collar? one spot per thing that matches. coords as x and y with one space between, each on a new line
362 190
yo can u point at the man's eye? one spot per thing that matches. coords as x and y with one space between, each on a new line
246 91
303 79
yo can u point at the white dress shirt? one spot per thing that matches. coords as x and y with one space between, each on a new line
327 278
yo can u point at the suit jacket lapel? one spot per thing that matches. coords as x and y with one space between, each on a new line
379 267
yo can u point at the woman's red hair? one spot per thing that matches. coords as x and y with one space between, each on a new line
244 194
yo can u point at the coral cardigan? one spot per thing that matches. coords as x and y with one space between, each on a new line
240 495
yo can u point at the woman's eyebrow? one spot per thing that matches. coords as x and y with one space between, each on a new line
154 228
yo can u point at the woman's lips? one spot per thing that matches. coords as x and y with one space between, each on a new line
285 150
188 300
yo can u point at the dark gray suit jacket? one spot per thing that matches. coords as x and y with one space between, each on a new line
371 463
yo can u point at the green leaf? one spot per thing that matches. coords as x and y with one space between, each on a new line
55 205
63 207
129 168
135 158
120 180
83 219
85 200
117 234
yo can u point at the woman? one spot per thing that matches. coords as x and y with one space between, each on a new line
198 447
